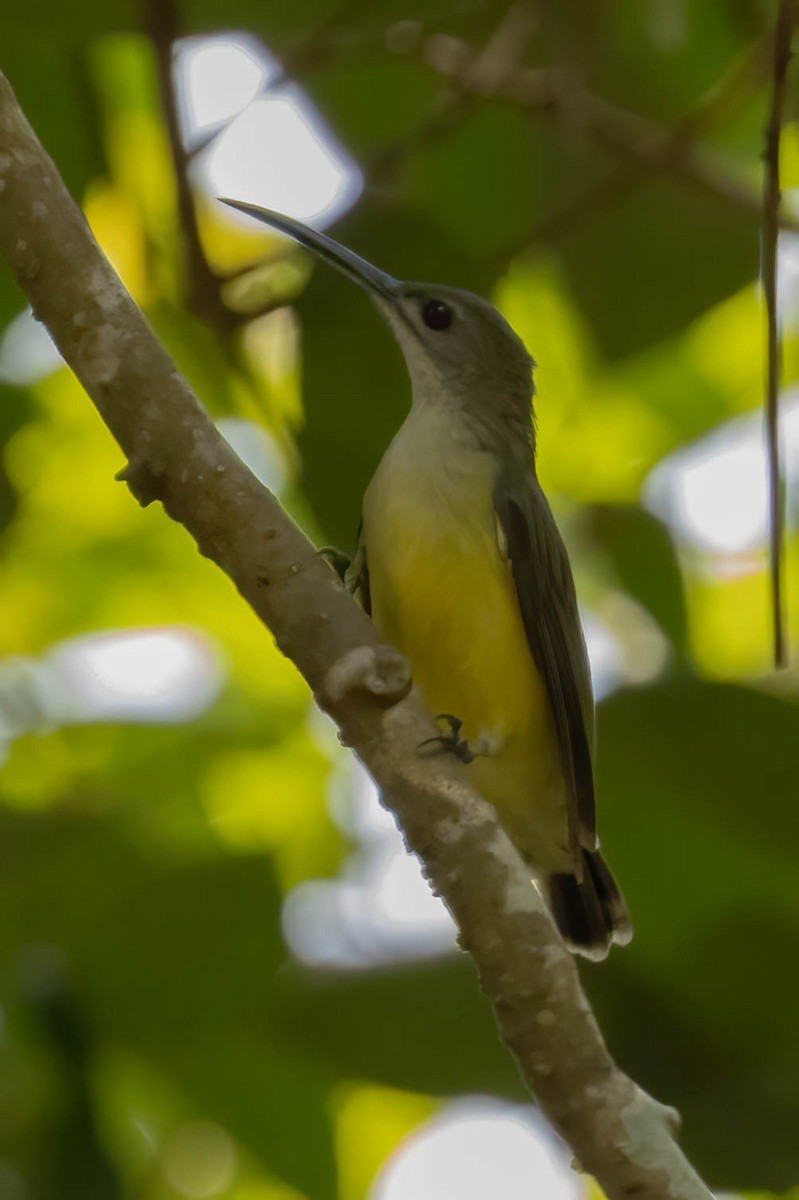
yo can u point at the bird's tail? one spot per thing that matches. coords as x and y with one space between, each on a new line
590 913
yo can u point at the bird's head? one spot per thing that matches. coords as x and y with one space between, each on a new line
459 350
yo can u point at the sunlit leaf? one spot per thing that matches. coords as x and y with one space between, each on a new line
371 1122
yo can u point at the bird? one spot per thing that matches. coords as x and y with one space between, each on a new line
461 566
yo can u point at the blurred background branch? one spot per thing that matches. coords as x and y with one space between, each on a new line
772 195
495 71
202 286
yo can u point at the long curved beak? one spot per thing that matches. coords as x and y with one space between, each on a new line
344 260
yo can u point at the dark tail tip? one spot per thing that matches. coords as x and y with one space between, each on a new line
590 913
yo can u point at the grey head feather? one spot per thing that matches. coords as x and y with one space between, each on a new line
477 364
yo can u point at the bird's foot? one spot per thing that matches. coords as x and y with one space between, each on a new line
337 559
451 741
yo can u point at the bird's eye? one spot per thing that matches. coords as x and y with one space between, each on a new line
436 314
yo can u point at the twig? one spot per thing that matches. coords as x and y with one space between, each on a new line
201 285
716 105
771 225
741 80
642 142
471 74
648 144
333 36
617 1132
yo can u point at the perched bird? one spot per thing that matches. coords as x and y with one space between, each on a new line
461 566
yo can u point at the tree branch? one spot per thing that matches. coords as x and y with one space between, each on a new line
200 284
553 92
771 228
617 1132
715 106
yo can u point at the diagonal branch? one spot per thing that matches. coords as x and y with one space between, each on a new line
715 106
638 142
200 284
772 195
473 74
175 455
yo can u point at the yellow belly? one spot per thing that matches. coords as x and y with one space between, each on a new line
443 593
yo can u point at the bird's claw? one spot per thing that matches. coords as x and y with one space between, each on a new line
337 559
451 741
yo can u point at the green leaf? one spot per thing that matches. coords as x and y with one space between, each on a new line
643 555
179 961
424 1027
662 57
401 91
273 1102
698 816
517 156
645 266
15 409
62 114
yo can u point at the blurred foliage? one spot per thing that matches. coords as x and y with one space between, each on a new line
161 1039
